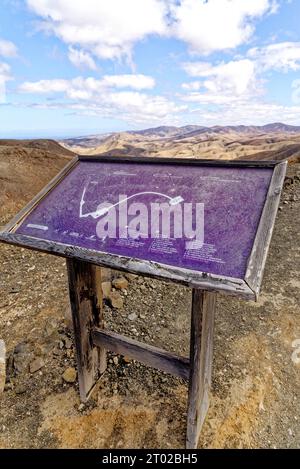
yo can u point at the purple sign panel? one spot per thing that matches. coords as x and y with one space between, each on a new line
151 211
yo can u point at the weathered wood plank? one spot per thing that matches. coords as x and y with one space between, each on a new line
147 354
30 206
172 160
87 312
201 354
258 256
191 278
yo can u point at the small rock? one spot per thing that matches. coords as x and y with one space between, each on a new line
67 342
70 375
51 327
22 357
120 283
36 365
116 360
44 349
116 300
2 365
14 290
130 277
20 389
126 359
22 347
106 289
8 386
81 407
132 316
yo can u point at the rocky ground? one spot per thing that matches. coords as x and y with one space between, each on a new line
256 376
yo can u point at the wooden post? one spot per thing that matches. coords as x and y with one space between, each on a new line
87 312
201 354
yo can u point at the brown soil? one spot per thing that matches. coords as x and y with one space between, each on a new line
25 168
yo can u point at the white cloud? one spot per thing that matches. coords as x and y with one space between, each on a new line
214 25
248 113
233 78
44 86
135 81
107 29
192 85
244 78
4 77
131 106
282 56
110 29
8 49
142 107
81 59
85 88
232 92
102 97
296 91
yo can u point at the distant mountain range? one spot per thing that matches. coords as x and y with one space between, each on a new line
185 131
271 141
192 130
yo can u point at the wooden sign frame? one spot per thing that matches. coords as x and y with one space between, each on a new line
84 274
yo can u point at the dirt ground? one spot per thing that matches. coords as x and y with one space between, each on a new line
256 376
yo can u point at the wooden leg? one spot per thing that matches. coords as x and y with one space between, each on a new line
201 353
87 312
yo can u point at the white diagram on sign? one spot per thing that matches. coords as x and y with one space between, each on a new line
100 211
168 219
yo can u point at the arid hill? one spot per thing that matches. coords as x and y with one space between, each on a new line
273 141
47 145
25 167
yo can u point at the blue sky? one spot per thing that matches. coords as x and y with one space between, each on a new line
74 68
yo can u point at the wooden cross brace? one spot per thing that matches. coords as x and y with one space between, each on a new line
92 341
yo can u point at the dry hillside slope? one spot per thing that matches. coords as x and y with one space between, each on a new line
25 168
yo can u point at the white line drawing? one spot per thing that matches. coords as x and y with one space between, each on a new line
123 173
104 210
37 227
